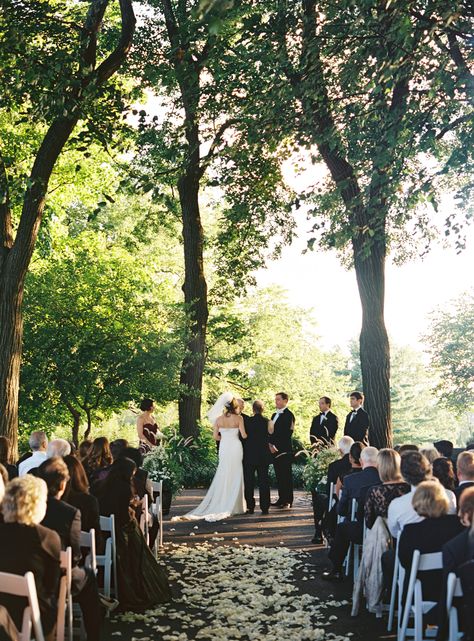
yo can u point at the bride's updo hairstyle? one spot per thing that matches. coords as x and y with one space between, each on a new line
232 407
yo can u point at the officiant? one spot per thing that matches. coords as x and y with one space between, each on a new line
324 425
257 458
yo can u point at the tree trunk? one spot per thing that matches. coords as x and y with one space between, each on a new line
89 424
76 418
374 346
195 297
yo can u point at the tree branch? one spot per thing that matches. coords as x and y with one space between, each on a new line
452 125
216 142
6 230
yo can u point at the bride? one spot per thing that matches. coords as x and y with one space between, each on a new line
225 496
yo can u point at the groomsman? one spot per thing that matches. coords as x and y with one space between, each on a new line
281 450
324 426
357 421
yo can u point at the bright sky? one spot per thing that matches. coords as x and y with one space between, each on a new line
317 280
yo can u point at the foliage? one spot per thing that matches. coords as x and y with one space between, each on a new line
161 465
316 468
96 335
451 345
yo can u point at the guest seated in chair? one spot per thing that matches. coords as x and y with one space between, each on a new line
380 496
66 521
141 581
26 546
77 494
436 528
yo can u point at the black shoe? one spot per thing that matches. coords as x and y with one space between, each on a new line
284 506
332 575
264 511
317 539
250 511
276 504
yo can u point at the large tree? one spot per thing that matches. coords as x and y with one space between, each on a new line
55 72
194 56
382 94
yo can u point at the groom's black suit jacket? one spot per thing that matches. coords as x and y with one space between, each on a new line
325 431
281 437
256 450
358 428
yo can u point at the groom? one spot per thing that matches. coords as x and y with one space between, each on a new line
281 450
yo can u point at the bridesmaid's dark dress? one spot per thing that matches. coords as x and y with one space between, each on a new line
142 583
149 432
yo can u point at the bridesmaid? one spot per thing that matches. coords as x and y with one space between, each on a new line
147 429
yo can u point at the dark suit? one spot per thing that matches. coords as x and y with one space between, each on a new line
338 469
324 431
88 505
257 458
355 487
31 548
66 521
460 489
358 427
428 535
282 460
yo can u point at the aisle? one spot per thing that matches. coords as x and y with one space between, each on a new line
248 578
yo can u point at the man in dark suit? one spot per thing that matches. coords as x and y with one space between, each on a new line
357 421
465 472
257 458
355 487
324 425
281 450
66 521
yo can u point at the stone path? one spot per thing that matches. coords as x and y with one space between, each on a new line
248 578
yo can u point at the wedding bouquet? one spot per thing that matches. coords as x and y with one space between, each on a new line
316 469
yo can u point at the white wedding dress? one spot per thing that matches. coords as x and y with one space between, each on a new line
225 496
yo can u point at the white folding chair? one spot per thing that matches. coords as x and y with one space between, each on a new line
144 516
331 497
87 540
65 597
393 592
415 606
108 560
454 589
158 511
354 548
24 586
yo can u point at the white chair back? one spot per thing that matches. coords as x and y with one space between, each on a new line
454 589
65 597
144 526
87 540
24 586
108 560
158 510
414 603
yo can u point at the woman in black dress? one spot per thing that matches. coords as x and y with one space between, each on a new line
77 494
142 583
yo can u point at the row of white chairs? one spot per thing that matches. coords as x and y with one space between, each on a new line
415 607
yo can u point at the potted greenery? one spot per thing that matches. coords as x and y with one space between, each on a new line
316 469
161 465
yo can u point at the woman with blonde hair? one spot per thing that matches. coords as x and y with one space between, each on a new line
429 535
26 546
379 497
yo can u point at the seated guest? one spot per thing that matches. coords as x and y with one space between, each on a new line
58 447
141 581
77 495
445 448
98 461
380 496
117 447
324 520
355 487
66 521
5 458
443 470
26 546
458 554
429 535
431 453
408 447
415 469
465 472
354 459
38 444
84 449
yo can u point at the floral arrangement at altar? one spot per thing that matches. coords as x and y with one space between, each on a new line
316 468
